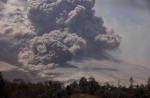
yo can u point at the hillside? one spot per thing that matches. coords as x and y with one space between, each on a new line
11 72
102 70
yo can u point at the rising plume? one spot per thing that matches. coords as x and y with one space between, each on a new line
44 32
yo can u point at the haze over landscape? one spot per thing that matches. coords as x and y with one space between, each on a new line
68 39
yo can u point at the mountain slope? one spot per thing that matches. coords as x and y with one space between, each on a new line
103 71
11 72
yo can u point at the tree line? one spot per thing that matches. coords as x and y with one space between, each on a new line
55 89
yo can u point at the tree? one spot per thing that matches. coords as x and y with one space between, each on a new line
1 76
75 87
92 85
83 84
131 82
68 90
2 85
91 78
148 83
83 81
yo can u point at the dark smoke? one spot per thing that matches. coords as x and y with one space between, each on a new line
43 32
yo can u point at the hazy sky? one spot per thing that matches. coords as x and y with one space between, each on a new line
129 18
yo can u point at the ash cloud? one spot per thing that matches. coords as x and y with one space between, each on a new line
45 32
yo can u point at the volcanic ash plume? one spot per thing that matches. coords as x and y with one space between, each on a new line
53 47
45 32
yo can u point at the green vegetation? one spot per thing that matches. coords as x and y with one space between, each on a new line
82 89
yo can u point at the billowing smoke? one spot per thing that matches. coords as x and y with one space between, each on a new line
45 32
53 47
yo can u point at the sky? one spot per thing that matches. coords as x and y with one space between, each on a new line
130 19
